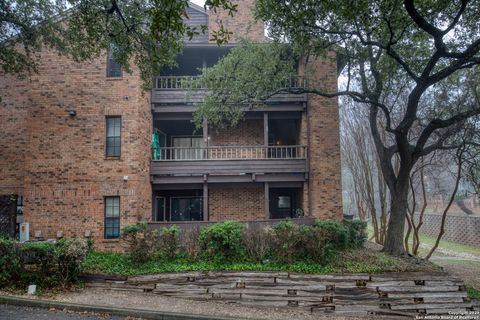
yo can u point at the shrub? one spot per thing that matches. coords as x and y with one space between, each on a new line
167 242
284 240
357 232
190 246
223 241
70 254
291 243
316 244
51 264
9 262
336 233
255 241
139 246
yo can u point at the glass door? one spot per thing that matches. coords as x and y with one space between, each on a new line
187 147
186 209
159 209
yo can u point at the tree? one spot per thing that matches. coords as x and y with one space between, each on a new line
148 33
391 49
361 163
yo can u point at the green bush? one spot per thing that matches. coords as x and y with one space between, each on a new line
285 241
357 232
9 262
223 241
53 264
336 233
46 264
230 241
39 263
255 242
316 244
289 242
69 255
168 242
138 241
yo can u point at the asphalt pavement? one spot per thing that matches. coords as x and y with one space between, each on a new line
10 312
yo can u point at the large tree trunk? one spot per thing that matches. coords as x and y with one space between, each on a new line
396 225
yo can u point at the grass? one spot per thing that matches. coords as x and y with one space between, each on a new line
466 263
473 293
456 247
355 261
444 244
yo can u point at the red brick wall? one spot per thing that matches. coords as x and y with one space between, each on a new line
242 24
66 172
248 133
13 133
325 187
236 202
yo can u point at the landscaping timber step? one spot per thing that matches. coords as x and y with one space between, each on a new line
395 294
432 306
420 289
87 277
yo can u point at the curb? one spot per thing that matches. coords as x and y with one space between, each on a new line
125 312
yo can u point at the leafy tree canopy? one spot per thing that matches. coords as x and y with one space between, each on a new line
147 33
244 79
400 55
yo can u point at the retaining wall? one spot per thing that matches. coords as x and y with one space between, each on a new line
393 294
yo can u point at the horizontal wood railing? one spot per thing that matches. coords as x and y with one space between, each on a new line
191 82
229 153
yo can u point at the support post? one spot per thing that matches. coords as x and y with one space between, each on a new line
267 199
205 201
265 129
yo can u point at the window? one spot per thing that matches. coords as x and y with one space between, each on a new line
112 217
284 202
188 147
19 204
114 69
186 209
113 142
160 209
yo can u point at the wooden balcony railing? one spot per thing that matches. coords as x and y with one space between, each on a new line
189 82
229 153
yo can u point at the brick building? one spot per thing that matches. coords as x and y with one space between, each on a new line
76 141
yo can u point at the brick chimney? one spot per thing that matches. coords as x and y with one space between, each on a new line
242 24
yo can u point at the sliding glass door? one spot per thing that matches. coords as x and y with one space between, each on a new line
186 209
188 147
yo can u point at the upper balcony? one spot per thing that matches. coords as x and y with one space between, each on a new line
178 90
243 163
261 149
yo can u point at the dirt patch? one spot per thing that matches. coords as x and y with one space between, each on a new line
147 301
468 272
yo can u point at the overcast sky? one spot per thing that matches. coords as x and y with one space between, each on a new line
199 2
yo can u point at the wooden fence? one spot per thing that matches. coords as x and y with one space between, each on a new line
394 294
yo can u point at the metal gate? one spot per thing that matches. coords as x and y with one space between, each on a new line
7 215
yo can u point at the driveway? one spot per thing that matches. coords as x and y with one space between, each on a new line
8 312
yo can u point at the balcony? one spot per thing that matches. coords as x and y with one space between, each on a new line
216 163
184 91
